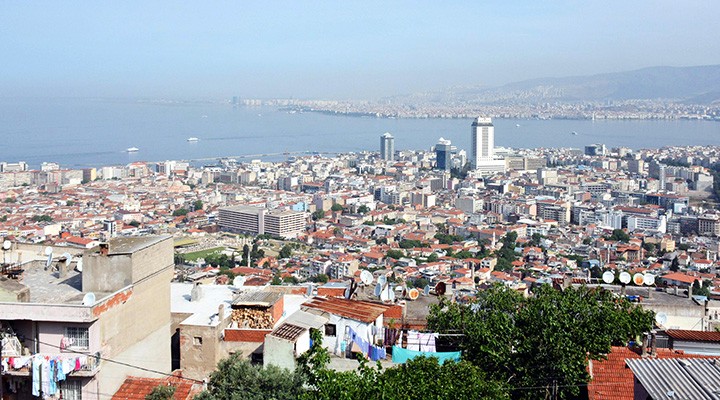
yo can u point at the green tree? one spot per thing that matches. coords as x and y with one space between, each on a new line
42 218
363 209
701 290
432 257
285 252
10 200
319 214
235 378
619 235
543 341
320 278
180 212
394 253
198 205
336 207
134 223
161 392
674 265
276 280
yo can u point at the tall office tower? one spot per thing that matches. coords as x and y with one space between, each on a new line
482 138
443 153
387 147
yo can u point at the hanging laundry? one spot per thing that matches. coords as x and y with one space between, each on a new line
400 355
413 341
427 342
36 372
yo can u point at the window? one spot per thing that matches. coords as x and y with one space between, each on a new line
330 330
256 358
71 389
77 338
197 341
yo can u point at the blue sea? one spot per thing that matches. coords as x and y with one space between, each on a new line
95 132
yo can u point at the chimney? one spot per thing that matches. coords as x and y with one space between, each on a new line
62 269
196 292
690 291
653 342
221 313
104 249
644 344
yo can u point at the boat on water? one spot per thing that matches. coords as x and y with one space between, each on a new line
192 139
517 125
132 150
573 133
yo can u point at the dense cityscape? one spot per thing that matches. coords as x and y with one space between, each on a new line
365 243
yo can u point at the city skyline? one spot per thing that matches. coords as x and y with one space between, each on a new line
359 50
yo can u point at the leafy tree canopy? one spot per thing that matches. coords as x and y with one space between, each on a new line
541 341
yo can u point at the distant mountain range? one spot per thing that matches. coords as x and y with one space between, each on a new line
696 85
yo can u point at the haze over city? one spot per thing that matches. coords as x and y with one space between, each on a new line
360 50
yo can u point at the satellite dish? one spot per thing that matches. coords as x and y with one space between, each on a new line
638 279
649 279
68 258
382 280
378 289
49 253
366 277
391 295
347 293
7 244
88 299
625 277
238 281
413 294
385 294
440 288
608 277
661 318
426 291
79 265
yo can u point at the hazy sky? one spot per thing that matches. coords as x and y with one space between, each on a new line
335 49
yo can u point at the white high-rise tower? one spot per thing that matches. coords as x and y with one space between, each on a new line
387 147
482 152
483 141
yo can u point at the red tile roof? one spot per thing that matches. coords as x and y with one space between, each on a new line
137 388
612 379
363 311
695 336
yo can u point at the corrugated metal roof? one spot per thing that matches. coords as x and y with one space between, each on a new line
288 332
683 378
363 311
256 298
696 336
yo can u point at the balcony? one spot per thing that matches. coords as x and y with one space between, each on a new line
89 364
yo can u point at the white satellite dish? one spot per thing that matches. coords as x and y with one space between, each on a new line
238 281
378 289
7 244
79 265
68 258
638 279
366 277
661 318
608 277
88 299
385 295
625 277
382 280
49 253
649 279
391 295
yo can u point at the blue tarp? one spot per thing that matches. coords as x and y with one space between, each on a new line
400 355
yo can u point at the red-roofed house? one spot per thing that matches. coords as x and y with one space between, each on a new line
137 388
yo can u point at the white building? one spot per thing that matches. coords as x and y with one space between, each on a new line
387 147
482 151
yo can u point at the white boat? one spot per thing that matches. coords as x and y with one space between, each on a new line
192 139
132 150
